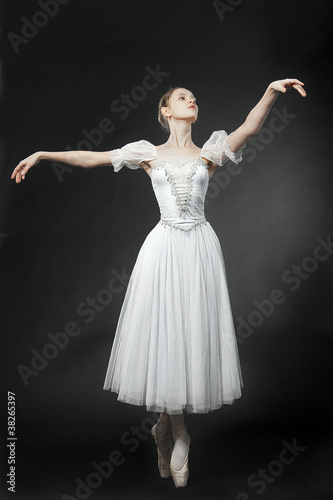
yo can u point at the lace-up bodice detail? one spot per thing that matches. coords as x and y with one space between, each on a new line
181 180
180 191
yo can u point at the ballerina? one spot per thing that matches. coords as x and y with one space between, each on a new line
175 347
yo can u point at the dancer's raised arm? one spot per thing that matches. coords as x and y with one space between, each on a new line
85 159
257 116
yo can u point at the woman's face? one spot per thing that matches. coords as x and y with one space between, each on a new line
182 105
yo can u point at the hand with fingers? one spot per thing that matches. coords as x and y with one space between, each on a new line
22 168
288 83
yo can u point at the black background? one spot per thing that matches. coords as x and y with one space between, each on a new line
62 236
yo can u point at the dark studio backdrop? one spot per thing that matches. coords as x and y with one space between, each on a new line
66 69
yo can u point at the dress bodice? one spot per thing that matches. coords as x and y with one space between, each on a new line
180 190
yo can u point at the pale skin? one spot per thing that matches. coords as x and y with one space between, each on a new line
181 113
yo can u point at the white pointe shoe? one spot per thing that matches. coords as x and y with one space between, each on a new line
180 475
163 461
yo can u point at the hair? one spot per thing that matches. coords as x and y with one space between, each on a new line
164 101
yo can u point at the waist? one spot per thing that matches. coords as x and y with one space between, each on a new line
183 224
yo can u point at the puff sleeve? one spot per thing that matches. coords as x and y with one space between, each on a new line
132 154
217 149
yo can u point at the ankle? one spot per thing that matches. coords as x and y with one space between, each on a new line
163 428
179 431
165 418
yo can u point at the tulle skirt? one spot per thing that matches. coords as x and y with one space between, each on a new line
175 346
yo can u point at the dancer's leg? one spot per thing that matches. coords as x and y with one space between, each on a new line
164 417
163 430
181 439
177 422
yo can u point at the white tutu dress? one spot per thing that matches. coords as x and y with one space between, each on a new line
175 346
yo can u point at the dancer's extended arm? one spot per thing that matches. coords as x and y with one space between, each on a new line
257 116
86 159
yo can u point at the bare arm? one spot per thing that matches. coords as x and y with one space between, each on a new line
257 116
85 159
